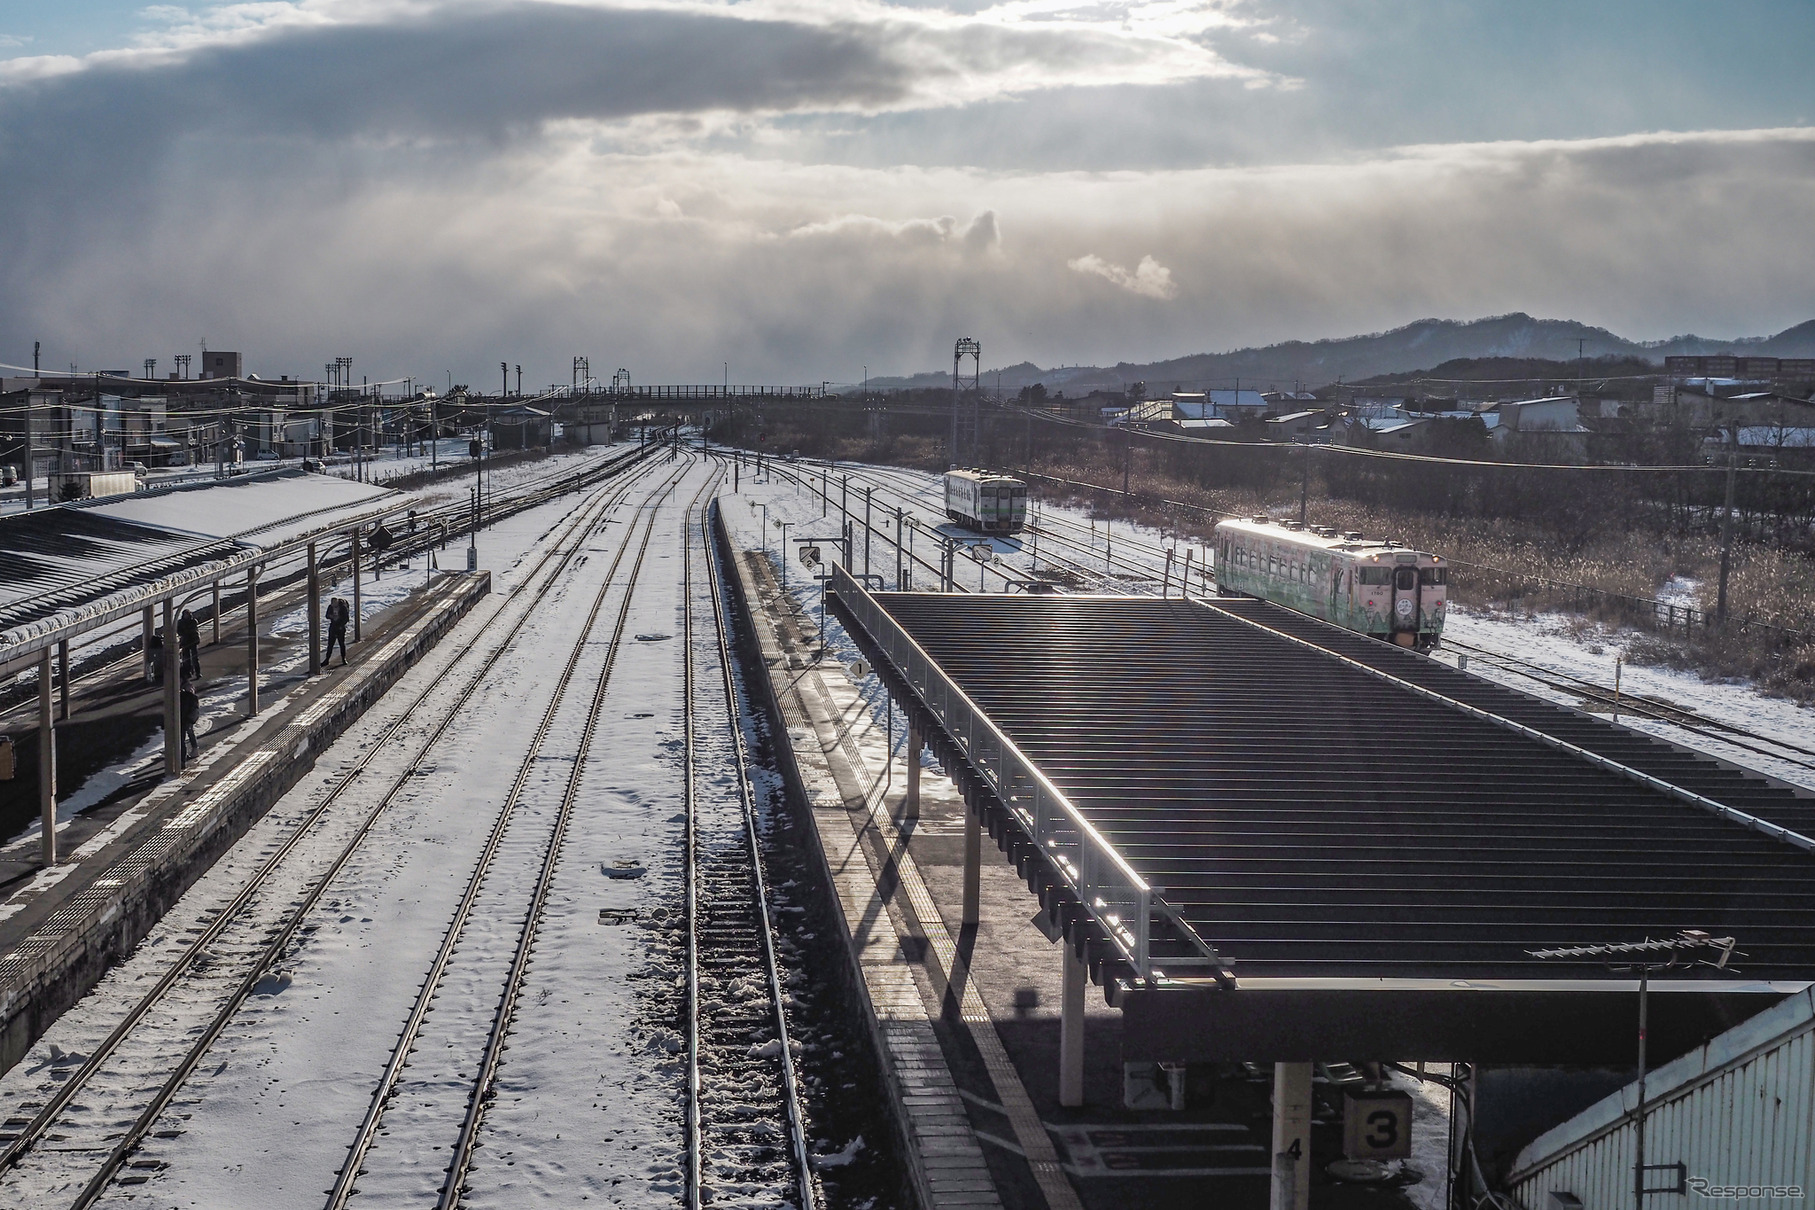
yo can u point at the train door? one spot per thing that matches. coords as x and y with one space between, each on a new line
1405 605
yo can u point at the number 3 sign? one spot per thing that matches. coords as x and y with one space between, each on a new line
1377 1125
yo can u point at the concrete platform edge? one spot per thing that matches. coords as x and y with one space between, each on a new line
761 654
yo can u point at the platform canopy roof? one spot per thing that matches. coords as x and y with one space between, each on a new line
71 567
1339 816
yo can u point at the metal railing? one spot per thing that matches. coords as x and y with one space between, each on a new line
1121 902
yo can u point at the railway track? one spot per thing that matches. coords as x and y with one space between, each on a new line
113 651
1599 697
155 1046
100 657
529 859
745 1124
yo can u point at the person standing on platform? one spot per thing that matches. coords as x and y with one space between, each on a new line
189 638
337 615
190 707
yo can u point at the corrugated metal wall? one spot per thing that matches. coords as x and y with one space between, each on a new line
1750 1123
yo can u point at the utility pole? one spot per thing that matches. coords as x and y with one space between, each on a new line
31 454
504 378
1726 524
519 382
1304 486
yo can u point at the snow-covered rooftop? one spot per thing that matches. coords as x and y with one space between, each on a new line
257 510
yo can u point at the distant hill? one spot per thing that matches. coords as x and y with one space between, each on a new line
1416 346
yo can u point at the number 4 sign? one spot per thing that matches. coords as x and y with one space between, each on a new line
1377 1125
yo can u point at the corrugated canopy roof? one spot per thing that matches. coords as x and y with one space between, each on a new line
1311 820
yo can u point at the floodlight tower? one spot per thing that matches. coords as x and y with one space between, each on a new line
962 386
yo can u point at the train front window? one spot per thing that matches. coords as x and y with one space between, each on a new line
1374 575
1408 578
1430 575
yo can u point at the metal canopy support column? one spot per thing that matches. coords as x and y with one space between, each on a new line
63 680
973 866
1071 1026
145 625
1291 1137
910 801
217 612
252 642
47 764
173 701
357 608
314 608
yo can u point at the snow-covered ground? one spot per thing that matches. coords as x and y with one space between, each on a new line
1565 645
588 1094
267 1119
222 700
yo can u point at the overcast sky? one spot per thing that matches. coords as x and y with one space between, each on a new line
803 187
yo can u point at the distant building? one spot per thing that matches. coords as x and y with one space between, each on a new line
1728 365
1550 429
1308 425
222 365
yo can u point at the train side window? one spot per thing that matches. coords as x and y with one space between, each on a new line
1430 575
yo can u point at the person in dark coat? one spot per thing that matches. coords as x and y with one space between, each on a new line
189 637
190 707
337 615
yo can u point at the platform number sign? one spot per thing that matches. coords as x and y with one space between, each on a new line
1377 1125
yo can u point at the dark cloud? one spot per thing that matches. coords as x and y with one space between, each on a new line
456 75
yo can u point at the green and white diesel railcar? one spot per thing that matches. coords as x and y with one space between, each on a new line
986 503
1382 589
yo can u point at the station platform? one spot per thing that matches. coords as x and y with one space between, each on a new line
129 858
966 1018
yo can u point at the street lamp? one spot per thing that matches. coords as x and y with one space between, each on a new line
1645 957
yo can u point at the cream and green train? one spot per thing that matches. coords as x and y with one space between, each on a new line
1381 589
